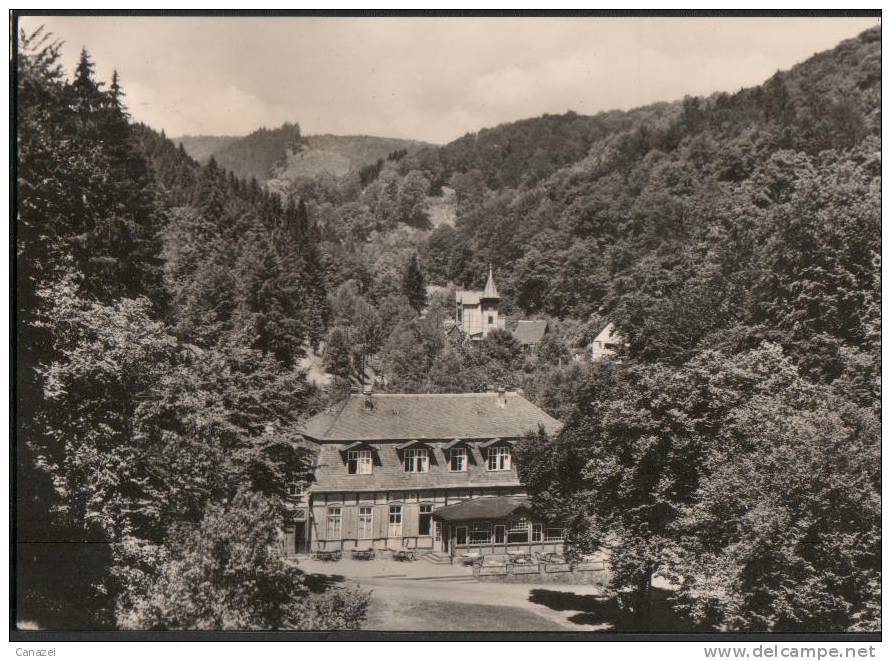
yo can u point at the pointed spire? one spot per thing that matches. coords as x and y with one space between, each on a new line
490 290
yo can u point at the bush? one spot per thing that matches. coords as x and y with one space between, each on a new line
230 572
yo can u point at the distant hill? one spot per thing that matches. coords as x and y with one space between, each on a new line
202 147
284 154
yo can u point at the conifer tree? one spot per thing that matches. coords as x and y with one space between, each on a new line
414 286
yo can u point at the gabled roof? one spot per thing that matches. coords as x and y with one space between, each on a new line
607 334
487 508
530 332
429 416
468 297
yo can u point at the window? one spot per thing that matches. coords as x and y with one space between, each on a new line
458 459
335 515
499 534
295 490
537 532
490 320
499 459
359 462
366 522
461 535
425 515
480 533
518 531
415 460
395 529
554 535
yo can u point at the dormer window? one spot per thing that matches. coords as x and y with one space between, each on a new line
359 462
458 460
415 460
498 458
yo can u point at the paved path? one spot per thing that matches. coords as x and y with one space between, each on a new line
421 596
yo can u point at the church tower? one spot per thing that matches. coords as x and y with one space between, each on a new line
489 303
476 312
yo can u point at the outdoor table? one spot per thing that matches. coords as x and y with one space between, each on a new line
328 555
363 554
517 556
471 558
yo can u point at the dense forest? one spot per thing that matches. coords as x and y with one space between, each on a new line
169 311
162 307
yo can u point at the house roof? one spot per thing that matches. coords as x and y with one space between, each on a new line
607 334
482 509
468 297
530 332
428 416
388 473
473 296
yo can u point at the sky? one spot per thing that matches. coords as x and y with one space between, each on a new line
431 79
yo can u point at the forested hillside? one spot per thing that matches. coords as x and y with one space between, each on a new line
162 307
735 449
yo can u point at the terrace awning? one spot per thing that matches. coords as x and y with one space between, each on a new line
487 508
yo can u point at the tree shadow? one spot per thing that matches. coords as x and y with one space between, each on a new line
322 582
604 612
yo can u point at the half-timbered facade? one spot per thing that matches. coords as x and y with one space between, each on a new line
391 467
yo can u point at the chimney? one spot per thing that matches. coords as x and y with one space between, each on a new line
366 395
502 398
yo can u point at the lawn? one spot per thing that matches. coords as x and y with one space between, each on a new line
453 616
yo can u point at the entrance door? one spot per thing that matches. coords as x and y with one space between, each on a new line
300 537
499 534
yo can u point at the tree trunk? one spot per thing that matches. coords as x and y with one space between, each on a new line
643 599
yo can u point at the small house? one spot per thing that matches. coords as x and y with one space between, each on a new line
529 334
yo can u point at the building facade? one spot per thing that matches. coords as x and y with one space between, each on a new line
392 469
476 312
605 344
